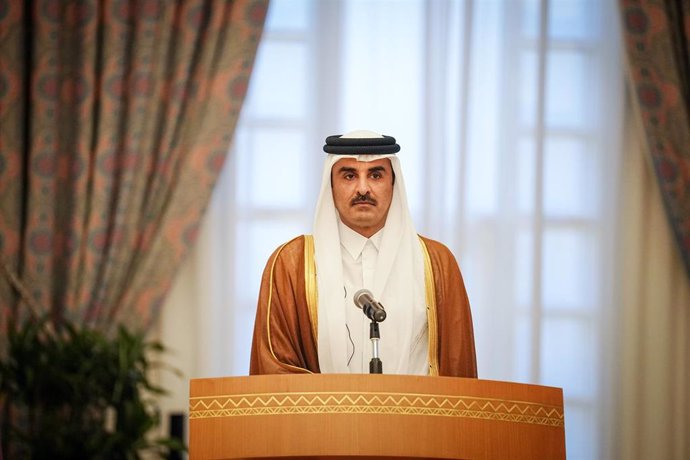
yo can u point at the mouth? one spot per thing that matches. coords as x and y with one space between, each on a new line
363 203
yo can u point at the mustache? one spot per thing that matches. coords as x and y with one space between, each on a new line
362 199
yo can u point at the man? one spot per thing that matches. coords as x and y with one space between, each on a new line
307 321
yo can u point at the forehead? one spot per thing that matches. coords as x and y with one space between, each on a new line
353 163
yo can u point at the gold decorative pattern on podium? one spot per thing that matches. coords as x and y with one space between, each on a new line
375 403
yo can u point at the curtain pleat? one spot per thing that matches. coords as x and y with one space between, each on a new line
652 388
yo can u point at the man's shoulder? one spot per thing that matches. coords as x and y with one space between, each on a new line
292 249
443 261
436 247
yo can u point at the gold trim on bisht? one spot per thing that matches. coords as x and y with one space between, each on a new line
268 314
311 290
243 405
431 316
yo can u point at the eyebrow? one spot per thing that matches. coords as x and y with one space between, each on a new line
353 170
346 169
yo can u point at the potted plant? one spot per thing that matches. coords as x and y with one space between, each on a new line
73 392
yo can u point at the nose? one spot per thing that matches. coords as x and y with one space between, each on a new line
363 185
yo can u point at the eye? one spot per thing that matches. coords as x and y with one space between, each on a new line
348 176
376 175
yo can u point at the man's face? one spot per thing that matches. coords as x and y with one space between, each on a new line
362 193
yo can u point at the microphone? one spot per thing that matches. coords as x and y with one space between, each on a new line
364 300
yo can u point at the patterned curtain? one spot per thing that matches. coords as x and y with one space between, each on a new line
657 38
115 120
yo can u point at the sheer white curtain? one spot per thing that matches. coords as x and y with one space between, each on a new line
509 117
652 401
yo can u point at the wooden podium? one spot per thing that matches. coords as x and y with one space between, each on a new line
373 416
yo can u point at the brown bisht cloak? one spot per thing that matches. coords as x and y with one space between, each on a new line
285 331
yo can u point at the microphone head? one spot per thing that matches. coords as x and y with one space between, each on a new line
364 300
358 297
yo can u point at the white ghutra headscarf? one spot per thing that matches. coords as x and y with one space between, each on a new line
398 280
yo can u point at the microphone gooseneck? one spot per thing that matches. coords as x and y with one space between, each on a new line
364 300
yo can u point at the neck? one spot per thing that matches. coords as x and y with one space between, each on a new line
366 232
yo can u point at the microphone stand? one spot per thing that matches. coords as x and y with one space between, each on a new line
375 365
